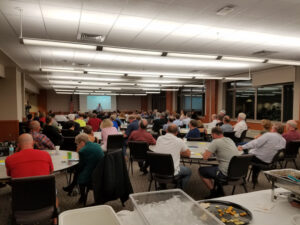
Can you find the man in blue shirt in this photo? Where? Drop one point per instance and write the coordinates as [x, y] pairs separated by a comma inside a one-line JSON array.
[[194, 131], [133, 125]]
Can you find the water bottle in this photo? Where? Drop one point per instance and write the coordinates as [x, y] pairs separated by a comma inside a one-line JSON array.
[[11, 149]]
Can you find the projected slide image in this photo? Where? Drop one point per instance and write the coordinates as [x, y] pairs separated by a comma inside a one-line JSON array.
[[93, 102]]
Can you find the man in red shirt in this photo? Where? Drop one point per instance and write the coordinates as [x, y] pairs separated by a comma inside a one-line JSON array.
[[27, 162], [142, 135], [94, 122], [292, 134]]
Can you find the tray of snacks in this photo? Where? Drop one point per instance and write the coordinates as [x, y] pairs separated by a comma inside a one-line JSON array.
[[227, 212], [285, 178]]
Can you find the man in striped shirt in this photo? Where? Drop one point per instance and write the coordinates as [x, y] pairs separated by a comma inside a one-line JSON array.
[[41, 141]]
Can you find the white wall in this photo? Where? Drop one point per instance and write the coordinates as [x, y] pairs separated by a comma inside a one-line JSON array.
[[61, 103], [128, 103], [19, 95]]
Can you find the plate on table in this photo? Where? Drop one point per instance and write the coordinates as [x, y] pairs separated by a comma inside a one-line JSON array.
[[228, 212]]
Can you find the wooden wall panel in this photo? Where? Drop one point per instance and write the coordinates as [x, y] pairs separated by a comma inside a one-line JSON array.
[[42, 101], [169, 101], [211, 99], [9, 130], [144, 103]]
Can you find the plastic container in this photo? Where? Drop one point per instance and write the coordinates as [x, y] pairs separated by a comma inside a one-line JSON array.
[[96, 215], [186, 208]]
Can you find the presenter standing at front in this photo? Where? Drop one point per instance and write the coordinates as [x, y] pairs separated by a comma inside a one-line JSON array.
[[99, 108]]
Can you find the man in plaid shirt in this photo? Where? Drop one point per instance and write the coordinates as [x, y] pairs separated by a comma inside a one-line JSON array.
[[41, 141]]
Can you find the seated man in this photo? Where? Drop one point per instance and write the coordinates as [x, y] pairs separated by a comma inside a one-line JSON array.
[[224, 149], [133, 125], [240, 126], [159, 123], [170, 144], [226, 127], [177, 121], [27, 162], [214, 121], [80, 120], [265, 148], [194, 131], [142, 135], [51, 132], [170, 121], [292, 134], [41, 141], [69, 129], [94, 122], [89, 155]]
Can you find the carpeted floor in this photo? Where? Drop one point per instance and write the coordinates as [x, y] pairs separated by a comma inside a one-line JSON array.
[[195, 189]]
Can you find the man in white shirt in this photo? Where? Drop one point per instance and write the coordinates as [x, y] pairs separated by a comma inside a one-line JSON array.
[[170, 144], [240, 126], [214, 121], [265, 148]]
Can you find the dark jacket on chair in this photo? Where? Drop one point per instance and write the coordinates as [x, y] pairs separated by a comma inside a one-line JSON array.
[[110, 179]]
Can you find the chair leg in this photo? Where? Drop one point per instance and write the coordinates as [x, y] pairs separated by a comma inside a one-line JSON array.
[[233, 189], [155, 185], [286, 162], [295, 163], [249, 175], [244, 185], [149, 188], [131, 162]]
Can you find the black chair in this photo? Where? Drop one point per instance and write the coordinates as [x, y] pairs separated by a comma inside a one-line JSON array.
[[230, 135], [138, 152], [268, 166], [115, 142], [241, 139], [33, 199], [291, 152], [236, 174], [196, 139], [68, 144], [4, 151], [162, 169]]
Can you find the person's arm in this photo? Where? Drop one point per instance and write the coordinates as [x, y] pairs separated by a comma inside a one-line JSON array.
[[186, 153], [8, 170], [46, 141], [51, 168], [207, 154], [256, 143], [151, 140]]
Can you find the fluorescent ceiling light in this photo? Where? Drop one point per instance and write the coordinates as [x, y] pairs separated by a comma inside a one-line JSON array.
[[284, 62], [243, 59], [131, 51], [105, 73], [148, 85], [151, 89], [142, 75], [139, 94], [102, 91], [159, 81], [169, 89], [110, 88], [83, 91], [64, 93], [211, 78], [49, 43], [127, 94], [122, 84], [237, 78], [194, 56], [171, 85], [62, 70], [57, 89], [193, 85], [152, 92]]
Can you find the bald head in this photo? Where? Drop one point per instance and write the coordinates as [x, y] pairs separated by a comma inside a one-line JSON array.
[[35, 125], [291, 125], [25, 141], [143, 124], [172, 128]]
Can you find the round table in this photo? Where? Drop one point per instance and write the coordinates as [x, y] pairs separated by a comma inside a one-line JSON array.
[[59, 159]]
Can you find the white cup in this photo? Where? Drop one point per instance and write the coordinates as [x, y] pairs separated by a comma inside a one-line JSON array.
[[57, 147]]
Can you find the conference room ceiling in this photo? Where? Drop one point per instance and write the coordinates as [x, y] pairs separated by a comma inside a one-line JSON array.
[[267, 27]]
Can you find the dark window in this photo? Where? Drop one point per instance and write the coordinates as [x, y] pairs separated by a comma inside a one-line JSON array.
[[229, 103], [288, 98], [245, 102], [269, 103]]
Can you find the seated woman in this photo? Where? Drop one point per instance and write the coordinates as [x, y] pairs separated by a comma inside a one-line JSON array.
[[267, 125], [89, 131], [107, 129], [194, 131], [200, 125]]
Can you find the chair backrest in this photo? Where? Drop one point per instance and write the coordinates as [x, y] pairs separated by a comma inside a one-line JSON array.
[[33, 193], [277, 157], [243, 135], [115, 141], [68, 144], [238, 166], [4, 151], [161, 164], [230, 135], [196, 139], [138, 149], [292, 149]]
